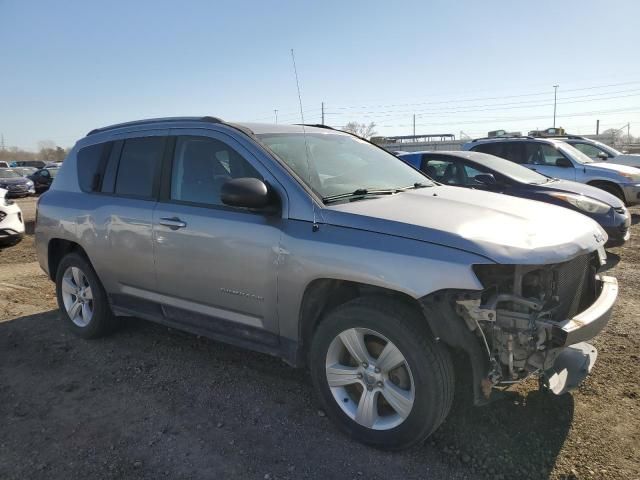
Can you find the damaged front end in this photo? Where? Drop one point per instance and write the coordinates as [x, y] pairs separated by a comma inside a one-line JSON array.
[[529, 320]]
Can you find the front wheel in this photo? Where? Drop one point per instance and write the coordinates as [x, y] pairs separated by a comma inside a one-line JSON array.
[[379, 374]]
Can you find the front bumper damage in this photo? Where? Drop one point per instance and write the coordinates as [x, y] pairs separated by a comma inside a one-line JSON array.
[[530, 320]]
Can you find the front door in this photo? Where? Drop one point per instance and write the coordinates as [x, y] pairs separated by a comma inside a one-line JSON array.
[[548, 160], [216, 266]]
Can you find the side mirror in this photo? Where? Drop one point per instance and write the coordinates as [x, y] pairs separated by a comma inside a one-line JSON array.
[[563, 162], [485, 179], [245, 192], [602, 156]]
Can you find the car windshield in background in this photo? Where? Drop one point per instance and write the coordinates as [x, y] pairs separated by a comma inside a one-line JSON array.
[[574, 153], [8, 173], [510, 169], [342, 164], [53, 171]]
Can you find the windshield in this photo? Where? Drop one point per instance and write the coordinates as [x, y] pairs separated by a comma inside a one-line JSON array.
[[341, 164], [8, 173], [510, 169], [574, 153], [53, 171]]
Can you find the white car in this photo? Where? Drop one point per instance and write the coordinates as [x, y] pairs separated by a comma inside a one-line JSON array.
[[599, 151], [11, 221]]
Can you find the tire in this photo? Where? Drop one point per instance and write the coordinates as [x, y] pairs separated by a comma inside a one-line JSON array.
[[423, 378], [96, 320], [611, 188]]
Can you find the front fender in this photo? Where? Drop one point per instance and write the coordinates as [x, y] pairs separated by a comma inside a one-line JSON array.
[[411, 267]]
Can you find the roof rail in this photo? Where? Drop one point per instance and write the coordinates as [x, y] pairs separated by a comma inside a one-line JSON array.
[[153, 121], [316, 125], [503, 136]]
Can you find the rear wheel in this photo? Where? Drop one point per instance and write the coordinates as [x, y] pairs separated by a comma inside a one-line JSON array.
[[379, 374], [81, 298]]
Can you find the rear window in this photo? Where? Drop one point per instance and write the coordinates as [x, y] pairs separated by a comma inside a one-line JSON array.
[[89, 167], [138, 165]]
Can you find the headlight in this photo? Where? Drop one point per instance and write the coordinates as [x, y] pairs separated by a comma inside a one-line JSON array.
[[632, 177], [586, 204], [29, 183]]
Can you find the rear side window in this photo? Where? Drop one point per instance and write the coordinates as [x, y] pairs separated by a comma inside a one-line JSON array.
[[89, 167], [514, 151], [138, 166]]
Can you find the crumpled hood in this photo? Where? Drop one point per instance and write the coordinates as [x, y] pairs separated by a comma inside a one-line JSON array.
[[501, 228]]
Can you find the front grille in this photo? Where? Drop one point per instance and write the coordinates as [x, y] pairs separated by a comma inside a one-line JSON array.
[[573, 282]]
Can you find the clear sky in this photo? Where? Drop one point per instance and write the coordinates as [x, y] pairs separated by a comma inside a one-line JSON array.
[[70, 66]]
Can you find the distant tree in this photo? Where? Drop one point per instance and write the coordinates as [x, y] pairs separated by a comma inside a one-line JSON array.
[[361, 129], [50, 152]]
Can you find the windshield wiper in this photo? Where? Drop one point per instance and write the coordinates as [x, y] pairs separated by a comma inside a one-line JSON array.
[[359, 193], [415, 186]]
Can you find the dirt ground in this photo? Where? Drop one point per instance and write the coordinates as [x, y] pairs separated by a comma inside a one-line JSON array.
[[150, 402]]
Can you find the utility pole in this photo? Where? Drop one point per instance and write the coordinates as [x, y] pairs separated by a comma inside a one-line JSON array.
[[628, 133], [597, 127], [322, 113], [555, 99], [275, 112], [414, 124]]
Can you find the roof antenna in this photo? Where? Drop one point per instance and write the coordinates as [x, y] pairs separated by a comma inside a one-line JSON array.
[[315, 226]]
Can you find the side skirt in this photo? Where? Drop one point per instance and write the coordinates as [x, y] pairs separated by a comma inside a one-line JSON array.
[[214, 328]]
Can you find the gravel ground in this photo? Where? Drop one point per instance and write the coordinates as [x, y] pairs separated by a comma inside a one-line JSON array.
[[150, 402]]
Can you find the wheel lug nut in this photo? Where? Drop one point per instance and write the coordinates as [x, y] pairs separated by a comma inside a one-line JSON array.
[[365, 364], [377, 370], [379, 384], [359, 375]]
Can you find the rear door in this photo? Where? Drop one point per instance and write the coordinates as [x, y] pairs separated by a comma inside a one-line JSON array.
[[117, 225], [216, 265]]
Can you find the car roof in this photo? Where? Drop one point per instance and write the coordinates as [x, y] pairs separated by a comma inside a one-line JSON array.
[[479, 141], [247, 127]]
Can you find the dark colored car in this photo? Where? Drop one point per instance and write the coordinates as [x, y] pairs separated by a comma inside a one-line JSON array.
[[30, 163], [482, 171], [43, 178], [15, 184]]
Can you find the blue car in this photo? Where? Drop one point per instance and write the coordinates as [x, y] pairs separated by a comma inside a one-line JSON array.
[[482, 171]]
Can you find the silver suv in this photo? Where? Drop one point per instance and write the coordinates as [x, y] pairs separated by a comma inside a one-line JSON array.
[[557, 159], [320, 248]]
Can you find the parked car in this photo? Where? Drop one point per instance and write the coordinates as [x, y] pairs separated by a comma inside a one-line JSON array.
[[317, 246], [30, 163], [601, 152], [15, 184], [482, 171], [4, 164], [53, 165], [558, 159], [11, 221], [43, 178], [25, 171]]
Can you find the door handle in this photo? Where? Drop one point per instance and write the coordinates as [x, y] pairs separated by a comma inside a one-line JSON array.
[[174, 223]]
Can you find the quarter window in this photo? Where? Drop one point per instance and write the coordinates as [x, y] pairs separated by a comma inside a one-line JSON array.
[[201, 166], [89, 159], [138, 165]]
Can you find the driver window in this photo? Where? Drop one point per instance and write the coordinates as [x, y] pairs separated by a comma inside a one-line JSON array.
[[201, 165], [443, 171], [543, 154], [589, 150], [470, 174]]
